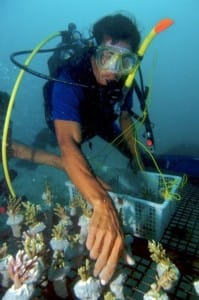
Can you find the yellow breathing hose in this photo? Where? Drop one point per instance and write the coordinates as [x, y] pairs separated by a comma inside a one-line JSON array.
[[159, 27], [9, 111]]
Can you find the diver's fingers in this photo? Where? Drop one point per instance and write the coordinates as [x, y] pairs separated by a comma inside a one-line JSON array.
[[97, 245], [112, 261], [92, 233], [128, 258], [106, 248]]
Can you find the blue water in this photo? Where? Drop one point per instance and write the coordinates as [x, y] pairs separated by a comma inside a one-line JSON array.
[[171, 61]]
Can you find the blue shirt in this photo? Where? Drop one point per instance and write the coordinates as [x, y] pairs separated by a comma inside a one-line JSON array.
[[66, 100], [92, 107]]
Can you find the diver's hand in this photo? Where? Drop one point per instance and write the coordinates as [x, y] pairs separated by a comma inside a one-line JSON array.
[[105, 240]]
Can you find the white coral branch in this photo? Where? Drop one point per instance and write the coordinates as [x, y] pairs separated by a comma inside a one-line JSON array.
[[21, 269]]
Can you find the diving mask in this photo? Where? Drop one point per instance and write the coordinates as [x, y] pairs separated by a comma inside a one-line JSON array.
[[115, 59]]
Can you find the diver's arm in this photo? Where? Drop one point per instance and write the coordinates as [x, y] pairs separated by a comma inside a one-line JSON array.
[[38, 156], [105, 240], [74, 162], [25, 152], [129, 132]]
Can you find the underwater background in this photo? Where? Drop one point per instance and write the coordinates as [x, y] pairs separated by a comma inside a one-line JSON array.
[[170, 68]]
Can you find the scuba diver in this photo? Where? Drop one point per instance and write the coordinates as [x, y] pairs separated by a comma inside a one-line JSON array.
[[93, 104]]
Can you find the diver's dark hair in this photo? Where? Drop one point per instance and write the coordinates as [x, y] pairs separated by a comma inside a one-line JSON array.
[[118, 27]]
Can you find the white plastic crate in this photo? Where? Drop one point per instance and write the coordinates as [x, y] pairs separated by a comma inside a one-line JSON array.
[[141, 199]]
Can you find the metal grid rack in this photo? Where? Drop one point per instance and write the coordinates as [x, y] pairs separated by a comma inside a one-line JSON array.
[[181, 241]]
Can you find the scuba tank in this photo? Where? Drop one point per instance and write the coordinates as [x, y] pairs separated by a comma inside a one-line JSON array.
[[72, 41]]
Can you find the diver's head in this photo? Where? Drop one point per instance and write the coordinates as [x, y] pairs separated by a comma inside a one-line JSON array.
[[71, 27], [112, 61], [117, 39], [117, 27]]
